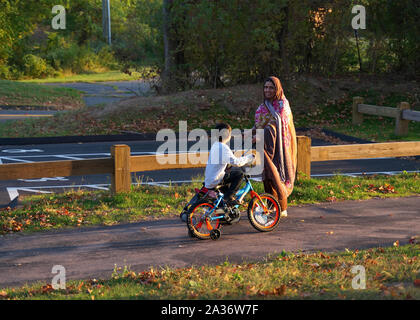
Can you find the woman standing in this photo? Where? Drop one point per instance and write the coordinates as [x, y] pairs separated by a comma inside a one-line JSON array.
[[280, 146]]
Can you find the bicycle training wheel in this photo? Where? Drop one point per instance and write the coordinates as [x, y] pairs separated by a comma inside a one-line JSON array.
[[260, 220], [199, 222]]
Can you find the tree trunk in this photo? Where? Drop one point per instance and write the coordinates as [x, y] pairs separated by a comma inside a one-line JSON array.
[[281, 38], [168, 66], [175, 74]]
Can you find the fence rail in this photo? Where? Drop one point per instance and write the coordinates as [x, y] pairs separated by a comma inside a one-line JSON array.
[[121, 164], [402, 114]]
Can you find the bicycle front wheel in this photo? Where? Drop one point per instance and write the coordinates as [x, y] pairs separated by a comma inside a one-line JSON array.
[[264, 220], [199, 222]]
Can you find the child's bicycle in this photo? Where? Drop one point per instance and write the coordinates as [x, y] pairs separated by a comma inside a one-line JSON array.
[[204, 215]]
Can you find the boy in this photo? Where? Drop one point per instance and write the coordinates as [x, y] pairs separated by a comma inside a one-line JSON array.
[[219, 158]]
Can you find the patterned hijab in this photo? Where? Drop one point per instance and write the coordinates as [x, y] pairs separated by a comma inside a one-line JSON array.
[[277, 84]]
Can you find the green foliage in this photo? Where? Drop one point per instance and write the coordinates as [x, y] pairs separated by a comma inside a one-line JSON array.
[[241, 41], [35, 66], [222, 41], [137, 32]]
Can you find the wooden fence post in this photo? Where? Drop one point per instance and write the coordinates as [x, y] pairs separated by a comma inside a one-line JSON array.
[[357, 116], [121, 176], [303, 157], [401, 125]]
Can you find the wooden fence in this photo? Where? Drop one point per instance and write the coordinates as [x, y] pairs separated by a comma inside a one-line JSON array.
[[121, 164], [402, 114]]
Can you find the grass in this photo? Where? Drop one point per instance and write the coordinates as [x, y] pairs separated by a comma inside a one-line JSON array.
[[89, 77], [82, 122], [14, 93], [203, 108], [337, 116], [84, 208], [390, 273]]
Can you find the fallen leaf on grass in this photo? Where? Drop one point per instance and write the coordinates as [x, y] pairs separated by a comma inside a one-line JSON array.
[[396, 243], [280, 291], [417, 282], [47, 288]]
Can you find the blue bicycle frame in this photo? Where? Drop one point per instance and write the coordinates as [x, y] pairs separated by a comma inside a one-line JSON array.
[[239, 197]]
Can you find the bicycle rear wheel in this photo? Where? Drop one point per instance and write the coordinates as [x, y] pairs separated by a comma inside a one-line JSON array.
[[199, 222], [261, 220]]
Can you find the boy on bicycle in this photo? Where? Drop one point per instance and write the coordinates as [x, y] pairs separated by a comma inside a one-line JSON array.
[[219, 158]]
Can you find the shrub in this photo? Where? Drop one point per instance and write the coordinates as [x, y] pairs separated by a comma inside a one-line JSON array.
[[35, 66], [4, 71]]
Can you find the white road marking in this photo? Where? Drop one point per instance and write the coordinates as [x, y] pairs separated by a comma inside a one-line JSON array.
[[68, 157], [21, 150], [354, 174], [45, 179], [76, 156], [13, 192], [16, 160]]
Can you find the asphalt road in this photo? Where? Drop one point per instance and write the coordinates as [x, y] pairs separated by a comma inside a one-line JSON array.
[[93, 252]]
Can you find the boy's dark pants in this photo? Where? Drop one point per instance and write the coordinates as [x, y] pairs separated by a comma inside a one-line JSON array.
[[231, 182]]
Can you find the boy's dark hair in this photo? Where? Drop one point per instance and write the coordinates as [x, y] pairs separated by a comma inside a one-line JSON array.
[[221, 127]]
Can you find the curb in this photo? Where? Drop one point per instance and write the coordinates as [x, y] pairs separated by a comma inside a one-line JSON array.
[[29, 108], [78, 139], [345, 137]]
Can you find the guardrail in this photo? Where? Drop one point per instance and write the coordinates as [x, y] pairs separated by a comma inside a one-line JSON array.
[[121, 164], [403, 114]]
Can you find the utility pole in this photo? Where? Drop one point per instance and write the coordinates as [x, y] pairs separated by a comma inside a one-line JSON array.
[[358, 50], [106, 20]]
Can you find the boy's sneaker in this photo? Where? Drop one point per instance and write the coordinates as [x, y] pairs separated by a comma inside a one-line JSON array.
[[232, 202], [283, 214]]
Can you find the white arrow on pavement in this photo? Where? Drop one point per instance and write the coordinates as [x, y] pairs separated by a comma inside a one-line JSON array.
[[13, 192]]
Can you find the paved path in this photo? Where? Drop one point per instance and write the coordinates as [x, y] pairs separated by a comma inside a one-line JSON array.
[[92, 252], [94, 94], [107, 92]]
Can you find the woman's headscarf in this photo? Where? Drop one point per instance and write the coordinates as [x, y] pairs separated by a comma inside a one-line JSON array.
[[277, 84]]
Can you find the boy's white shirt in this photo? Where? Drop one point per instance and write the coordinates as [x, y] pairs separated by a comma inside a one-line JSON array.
[[219, 157]]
